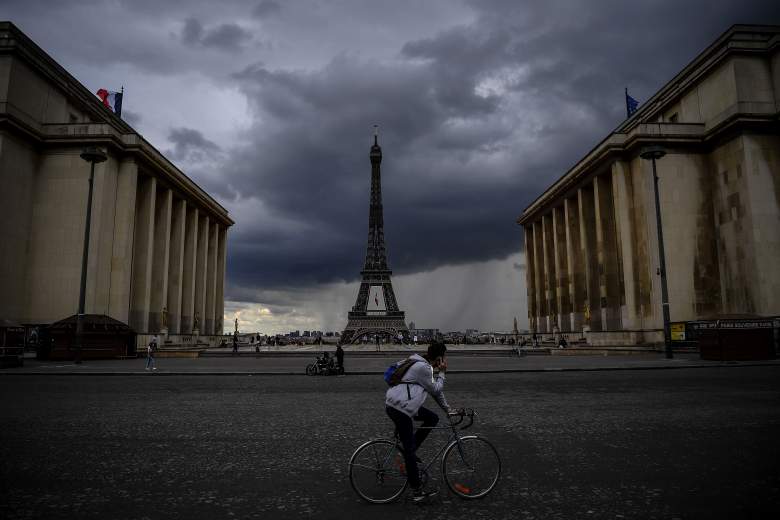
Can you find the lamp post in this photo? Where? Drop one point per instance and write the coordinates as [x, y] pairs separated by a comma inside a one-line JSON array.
[[92, 155], [652, 153]]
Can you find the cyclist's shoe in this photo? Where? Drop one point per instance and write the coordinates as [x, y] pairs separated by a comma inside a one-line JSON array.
[[421, 495]]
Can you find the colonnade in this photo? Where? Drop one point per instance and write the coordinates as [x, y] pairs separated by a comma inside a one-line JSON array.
[[178, 264], [574, 269]]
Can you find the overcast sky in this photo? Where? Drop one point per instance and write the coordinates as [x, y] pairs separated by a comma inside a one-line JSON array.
[[269, 105]]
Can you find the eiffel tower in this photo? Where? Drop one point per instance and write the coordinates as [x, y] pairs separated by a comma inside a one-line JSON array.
[[375, 311]]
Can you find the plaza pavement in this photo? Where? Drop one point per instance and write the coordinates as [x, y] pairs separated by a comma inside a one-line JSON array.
[[366, 362], [644, 444]]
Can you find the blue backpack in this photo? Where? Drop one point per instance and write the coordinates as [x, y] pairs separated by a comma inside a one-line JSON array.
[[395, 372]]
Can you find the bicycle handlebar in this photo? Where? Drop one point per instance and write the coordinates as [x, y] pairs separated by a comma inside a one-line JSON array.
[[460, 414]]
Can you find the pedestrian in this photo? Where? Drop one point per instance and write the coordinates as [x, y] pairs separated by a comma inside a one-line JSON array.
[[377, 342], [562, 342], [150, 350], [535, 340], [340, 357], [235, 344]]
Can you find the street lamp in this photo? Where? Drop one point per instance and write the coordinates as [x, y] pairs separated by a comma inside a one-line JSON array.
[[652, 153], [92, 155]]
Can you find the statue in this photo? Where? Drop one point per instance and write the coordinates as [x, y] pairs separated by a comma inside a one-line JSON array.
[[236, 325], [586, 321], [165, 317]]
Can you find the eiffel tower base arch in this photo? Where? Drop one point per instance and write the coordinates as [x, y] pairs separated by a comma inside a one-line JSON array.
[[361, 325]]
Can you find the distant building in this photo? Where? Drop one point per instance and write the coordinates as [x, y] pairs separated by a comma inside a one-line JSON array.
[[425, 334], [158, 241], [590, 239]]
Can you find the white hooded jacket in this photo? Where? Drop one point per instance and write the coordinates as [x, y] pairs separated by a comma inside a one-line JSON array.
[[415, 386]]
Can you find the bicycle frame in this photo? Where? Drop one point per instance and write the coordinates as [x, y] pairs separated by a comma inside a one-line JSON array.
[[453, 438]]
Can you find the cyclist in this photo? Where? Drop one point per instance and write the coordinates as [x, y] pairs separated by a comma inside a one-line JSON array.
[[403, 403]]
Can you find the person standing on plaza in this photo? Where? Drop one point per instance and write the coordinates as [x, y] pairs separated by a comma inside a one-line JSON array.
[[340, 357], [235, 343], [150, 350]]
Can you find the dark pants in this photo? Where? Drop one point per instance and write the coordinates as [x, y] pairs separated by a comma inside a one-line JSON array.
[[410, 439]]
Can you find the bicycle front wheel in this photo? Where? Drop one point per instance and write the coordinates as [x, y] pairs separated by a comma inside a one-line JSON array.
[[471, 467], [377, 471], [310, 370]]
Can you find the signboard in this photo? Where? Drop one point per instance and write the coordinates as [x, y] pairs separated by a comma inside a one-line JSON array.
[[734, 324], [376, 301], [677, 331]]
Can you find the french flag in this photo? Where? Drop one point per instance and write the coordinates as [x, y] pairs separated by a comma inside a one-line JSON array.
[[112, 100]]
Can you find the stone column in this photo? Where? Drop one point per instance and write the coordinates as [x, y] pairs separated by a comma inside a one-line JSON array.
[[143, 249], [221, 263], [162, 249], [189, 269], [549, 273], [588, 247], [541, 304], [577, 292], [211, 277], [176, 265], [562, 299], [101, 237], [625, 224], [201, 270], [530, 275], [122, 249], [609, 267]]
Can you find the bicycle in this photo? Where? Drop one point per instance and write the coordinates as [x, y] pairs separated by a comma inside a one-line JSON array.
[[322, 367], [470, 465]]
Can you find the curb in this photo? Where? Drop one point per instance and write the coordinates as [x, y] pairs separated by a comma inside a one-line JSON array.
[[379, 372]]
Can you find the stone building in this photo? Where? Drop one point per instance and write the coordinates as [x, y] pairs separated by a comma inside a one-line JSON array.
[[157, 240], [590, 239]]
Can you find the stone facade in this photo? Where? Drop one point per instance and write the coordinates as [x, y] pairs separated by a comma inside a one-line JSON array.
[[590, 239], [157, 240]]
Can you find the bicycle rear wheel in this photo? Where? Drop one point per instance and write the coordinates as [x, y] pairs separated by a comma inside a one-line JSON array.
[[471, 467], [377, 471]]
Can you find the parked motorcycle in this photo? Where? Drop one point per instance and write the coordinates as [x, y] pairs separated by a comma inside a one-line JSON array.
[[324, 367]]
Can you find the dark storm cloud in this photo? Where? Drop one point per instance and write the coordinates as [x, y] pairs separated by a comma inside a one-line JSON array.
[[314, 169], [474, 122], [190, 146], [225, 37], [266, 8]]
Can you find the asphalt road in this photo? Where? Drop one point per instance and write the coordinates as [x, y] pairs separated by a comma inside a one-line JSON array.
[[687, 443]]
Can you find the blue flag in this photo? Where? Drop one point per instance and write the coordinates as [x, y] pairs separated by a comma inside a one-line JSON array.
[[631, 105]]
